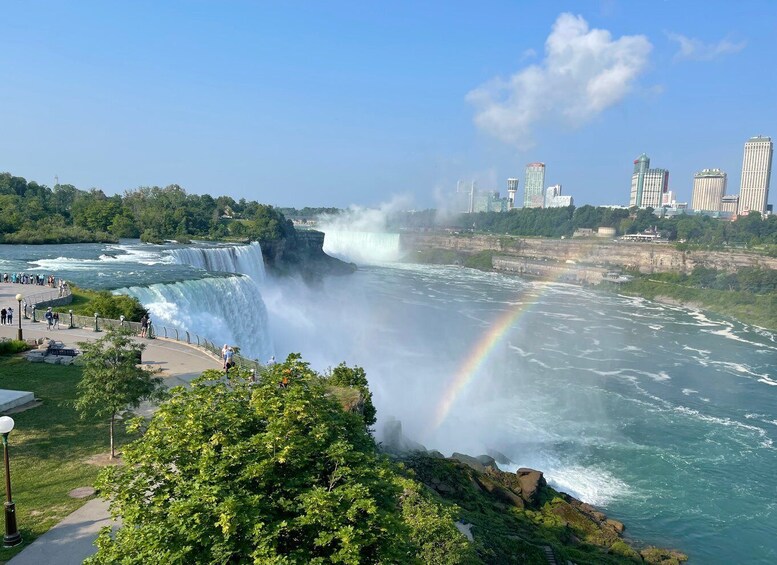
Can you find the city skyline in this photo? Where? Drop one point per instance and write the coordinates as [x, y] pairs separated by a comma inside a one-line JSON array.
[[343, 104]]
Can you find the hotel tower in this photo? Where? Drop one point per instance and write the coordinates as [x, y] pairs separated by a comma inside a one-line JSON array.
[[756, 170]]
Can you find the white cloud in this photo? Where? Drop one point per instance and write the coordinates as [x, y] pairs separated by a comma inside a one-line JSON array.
[[697, 50], [583, 73]]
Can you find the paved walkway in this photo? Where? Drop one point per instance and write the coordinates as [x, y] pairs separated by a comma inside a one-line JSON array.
[[71, 541]]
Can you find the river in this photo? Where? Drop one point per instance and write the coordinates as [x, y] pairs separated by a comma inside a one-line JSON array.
[[664, 417]]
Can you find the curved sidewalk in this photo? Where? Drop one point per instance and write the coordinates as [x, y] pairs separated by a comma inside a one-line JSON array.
[[71, 541]]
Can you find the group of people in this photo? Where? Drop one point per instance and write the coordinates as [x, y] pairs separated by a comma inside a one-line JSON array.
[[33, 278], [6, 316], [52, 319]]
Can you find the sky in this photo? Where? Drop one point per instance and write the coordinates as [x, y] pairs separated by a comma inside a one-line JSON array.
[[355, 103]]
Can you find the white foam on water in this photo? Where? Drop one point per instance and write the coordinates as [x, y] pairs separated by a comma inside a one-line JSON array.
[[689, 391]]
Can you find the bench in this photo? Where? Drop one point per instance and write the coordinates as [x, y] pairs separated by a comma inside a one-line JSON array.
[[62, 351]]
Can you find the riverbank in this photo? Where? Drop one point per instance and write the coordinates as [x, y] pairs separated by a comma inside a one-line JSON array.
[[589, 262]]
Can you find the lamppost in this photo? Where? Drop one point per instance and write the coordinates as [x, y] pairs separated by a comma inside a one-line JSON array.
[[12, 536], [19, 335]]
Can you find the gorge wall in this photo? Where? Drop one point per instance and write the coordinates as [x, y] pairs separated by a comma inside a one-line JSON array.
[[643, 257]]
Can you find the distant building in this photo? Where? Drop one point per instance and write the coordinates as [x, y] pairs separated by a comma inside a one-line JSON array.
[[647, 185], [489, 201], [512, 188], [730, 204], [554, 199], [534, 185], [756, 173], [464, 198], [709, 188]]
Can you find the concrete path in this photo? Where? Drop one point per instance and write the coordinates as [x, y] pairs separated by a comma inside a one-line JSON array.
[[71, 541]]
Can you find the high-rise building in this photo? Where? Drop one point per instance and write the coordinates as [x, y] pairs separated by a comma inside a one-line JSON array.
[[730, 204], [756, 171], [534, 185], [512, 188], [647, 185], [709, 188]]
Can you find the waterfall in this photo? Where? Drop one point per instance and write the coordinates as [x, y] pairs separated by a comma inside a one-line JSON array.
[[362, 247], [224, 310], [243, 259]]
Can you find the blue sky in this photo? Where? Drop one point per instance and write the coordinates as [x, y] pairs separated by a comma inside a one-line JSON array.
[[340, 103]]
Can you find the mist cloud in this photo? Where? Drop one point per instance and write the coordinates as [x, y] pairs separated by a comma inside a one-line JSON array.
[[584, 72]]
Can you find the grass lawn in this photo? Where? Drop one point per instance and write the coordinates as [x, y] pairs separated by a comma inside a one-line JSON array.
[[49, 446]]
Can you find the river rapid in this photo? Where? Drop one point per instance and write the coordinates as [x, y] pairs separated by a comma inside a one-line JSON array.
[[664, 417]]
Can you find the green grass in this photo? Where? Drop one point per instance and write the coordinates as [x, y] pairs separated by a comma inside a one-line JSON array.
[[49, 447]]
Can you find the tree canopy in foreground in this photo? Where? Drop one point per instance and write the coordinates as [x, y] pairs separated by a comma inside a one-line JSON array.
[[235, 472]]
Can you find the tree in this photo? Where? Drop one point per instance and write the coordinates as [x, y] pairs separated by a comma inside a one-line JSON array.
[[112, 382], [237, 472]]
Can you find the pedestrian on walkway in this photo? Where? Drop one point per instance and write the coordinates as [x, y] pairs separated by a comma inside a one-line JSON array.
[[144, 325], [49, 318], [2, 316], [9, 316]]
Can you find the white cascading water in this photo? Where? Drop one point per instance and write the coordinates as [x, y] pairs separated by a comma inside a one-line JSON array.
[[243, 259], [224, 310], [362, 247]]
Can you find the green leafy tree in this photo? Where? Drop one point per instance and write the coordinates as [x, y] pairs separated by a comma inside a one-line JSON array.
[[355, 377], [113, 382], [256, 473]]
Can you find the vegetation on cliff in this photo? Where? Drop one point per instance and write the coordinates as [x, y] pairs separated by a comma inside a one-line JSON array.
[[749, 294], [86, 302], [285, 470]]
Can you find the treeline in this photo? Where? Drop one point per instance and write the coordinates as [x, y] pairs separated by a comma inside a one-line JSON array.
[[34, 213], [751, 230]]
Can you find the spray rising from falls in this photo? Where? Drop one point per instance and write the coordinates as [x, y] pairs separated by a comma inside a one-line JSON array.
[[362, 247], [224, 310], [243, 259]]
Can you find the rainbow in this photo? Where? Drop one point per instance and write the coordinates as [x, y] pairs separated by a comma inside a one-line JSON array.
[[476, 357]]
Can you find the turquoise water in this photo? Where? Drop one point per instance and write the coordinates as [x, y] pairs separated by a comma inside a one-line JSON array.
[[664, 417]]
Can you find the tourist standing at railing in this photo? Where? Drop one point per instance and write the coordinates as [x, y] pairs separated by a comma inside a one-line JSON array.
[[144, 325]]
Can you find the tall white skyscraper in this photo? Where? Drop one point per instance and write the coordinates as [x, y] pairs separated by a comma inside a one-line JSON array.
[[709, 188], [534, 186], [756, 172], [647, 185]]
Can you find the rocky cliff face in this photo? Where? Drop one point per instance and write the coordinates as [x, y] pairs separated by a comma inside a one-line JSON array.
[[303, 254], [643, 257]]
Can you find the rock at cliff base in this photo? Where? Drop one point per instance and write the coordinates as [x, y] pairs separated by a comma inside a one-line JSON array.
[[531, 482], [469, 461]]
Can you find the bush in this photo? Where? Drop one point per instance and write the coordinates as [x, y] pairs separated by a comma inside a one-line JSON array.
[[12, 346]]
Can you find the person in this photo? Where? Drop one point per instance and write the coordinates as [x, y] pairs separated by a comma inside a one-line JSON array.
[[9, 316], [56, 320], [228, 357], [144, 325], [271, 361], [2, 316], [49, 318]]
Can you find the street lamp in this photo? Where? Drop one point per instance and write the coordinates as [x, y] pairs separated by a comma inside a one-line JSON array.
[[19, 335], [12, 536]]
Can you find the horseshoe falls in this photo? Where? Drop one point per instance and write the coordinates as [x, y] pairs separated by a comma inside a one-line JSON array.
[[362, 247]]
